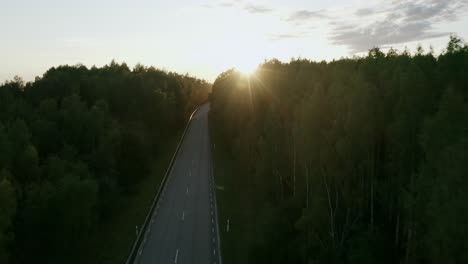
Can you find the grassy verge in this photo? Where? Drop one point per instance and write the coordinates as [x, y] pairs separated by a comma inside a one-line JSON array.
[[234, 204], [113, 241]]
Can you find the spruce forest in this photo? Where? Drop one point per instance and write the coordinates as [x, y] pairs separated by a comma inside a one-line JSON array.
[[359, 160], [74, 143]]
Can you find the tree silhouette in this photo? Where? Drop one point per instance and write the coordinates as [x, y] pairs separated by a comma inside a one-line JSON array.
[[352, 161]]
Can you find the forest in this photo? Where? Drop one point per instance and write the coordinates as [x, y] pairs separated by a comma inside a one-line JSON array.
[[72, 141], [356, 160]]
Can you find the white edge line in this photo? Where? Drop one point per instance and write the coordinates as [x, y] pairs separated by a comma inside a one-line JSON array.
[[176, 255], [220, 259], [163, 188]]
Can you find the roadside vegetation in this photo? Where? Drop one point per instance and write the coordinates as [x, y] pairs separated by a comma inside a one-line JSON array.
[[112, 241], [235, 209], [359, 160], [82, 152]]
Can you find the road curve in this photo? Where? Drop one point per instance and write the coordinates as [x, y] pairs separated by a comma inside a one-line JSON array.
[[183, 228]]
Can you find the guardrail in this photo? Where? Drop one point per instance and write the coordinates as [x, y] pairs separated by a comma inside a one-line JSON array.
[[136, 245]]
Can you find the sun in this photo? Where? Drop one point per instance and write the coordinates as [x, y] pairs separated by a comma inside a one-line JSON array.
[[247, 68]]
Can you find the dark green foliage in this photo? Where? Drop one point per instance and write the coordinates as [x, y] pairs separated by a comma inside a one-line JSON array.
[[354, 161], [7, 213], [73, 140], [134, 158]]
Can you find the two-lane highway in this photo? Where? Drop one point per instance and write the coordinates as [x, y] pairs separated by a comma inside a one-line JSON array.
[[183, 228]]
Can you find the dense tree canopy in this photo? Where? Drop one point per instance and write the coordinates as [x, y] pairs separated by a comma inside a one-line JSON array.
[[358, 160], [72, 139]]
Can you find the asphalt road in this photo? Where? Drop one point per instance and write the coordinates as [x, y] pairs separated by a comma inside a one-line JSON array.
[[183, 228]]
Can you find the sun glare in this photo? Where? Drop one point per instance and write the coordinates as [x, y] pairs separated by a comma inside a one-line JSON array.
[[247, 68]]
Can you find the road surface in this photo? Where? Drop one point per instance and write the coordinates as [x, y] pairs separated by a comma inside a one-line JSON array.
[[183, 228]]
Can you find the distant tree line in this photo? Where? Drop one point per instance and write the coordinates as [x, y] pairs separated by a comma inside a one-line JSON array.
[[359, 160], [73, 140]]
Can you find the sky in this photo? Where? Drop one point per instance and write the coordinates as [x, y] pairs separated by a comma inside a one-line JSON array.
[[204, 38]]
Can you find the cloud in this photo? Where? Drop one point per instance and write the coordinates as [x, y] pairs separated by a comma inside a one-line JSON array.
[[402, 21], [365, 11], [257, 9], [286, 36], [207, 6], [250, 8], [226, 4], [383, 33], [302, 15]]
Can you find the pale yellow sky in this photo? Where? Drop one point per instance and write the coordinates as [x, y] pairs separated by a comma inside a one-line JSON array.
[[204, 38]]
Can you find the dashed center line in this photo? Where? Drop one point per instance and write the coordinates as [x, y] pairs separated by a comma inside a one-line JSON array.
[[199, 196]]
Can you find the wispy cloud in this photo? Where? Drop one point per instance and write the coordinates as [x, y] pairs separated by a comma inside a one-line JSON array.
[[242, 5], [365, 11], [402, 21], [227, 4], [302, 15], [257, 9], [286, 36], [207, 6]]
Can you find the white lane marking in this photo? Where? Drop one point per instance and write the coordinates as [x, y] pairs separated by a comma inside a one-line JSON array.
[[212, 221], [183, 215], [186, 191], [214, 251], [176, 255], [213, 239]]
